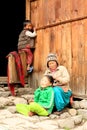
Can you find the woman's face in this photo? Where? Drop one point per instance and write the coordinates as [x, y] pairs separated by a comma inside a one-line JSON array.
[[52, 65], [45, 82]]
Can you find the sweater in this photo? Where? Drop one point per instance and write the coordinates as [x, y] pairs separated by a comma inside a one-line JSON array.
[[62, 77], [25, 38], [45, 98]]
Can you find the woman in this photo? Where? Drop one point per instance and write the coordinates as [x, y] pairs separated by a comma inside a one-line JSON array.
[[62, 91], [26, 42]]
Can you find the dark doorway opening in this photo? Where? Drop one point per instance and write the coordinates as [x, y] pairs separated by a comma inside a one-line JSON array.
[[11, 25]]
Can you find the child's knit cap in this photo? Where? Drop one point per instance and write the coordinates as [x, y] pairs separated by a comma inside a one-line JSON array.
[[52, 57]]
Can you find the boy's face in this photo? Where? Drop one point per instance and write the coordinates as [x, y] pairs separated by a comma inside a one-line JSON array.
[[29, 26], [45, 82], [52, 65]]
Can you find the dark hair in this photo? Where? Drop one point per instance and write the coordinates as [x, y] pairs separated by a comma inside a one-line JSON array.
[[27, 22], [50, 78]]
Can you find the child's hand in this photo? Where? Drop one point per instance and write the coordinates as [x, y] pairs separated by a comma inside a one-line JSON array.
[[30, 100], [34, 29]]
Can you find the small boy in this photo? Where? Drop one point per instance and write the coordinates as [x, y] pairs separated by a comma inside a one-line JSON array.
[[43, 100], [26, 42]]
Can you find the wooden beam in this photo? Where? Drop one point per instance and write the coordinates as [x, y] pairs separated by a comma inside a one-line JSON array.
[[27, 8], [62, 22]]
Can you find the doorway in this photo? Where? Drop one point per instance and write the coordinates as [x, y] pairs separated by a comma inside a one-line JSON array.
[[11, 26]]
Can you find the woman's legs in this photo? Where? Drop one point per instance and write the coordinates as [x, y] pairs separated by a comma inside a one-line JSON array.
[[61, 98]]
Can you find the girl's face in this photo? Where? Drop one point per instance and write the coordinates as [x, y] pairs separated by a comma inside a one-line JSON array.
[[45, 82], [52, 65]]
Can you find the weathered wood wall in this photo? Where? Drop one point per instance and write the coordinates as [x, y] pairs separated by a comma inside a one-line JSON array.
[[61, 28]]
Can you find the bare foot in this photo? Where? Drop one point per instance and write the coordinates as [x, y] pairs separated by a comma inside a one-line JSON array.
[[31, 113], [71, 100]]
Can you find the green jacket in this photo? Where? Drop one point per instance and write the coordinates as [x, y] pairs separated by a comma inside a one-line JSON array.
[[45, 97]]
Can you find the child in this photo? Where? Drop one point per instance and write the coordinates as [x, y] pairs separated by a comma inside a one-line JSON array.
[[43, 100], [26, 42], [62, 91]]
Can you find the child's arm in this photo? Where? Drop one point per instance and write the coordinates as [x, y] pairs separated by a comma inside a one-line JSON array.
[[31, 34], [30, 100], [37, 94]]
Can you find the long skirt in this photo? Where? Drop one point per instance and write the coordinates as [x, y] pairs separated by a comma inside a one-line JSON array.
[[61, 98]]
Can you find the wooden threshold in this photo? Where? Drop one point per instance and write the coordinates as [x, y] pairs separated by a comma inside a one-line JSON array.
[[4, 80]]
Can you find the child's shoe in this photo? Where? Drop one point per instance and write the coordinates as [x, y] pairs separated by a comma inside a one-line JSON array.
[[30, 69]]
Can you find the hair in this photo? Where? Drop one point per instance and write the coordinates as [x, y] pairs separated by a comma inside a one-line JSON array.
[[27, 22], [50, 78]]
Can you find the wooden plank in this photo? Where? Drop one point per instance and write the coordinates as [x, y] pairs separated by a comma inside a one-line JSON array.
[[37, 13], [38, 52], [86, 85], [4, 80], [58, 45], [85, 9], [85, 40], [81, 41], [74, 48], [78, 85], [64, 45], [50, 13], [68, 47], [65, 11], [46, 46], [27, 5], [24, 62], [34, 12], [12, 73]]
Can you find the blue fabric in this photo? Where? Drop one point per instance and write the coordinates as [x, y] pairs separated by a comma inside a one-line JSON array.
[[61, 98]]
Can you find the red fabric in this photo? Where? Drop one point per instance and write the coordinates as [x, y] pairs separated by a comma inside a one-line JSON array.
[[29, 54], [19, 71]]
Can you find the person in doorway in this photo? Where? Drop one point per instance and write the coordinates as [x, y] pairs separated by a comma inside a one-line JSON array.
[[43, 102], [26, 42], [62, 91]]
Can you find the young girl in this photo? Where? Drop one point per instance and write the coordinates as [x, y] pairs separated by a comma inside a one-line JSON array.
[[43, 100], [62, 91]]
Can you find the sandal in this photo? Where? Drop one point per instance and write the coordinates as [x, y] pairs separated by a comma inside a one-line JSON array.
[[30, 69]]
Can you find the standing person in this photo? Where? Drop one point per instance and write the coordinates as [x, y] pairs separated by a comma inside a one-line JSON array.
[[26, 42], [43, 100], [62, 91]]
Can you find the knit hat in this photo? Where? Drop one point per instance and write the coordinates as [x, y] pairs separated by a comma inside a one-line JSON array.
[[52, 57]]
